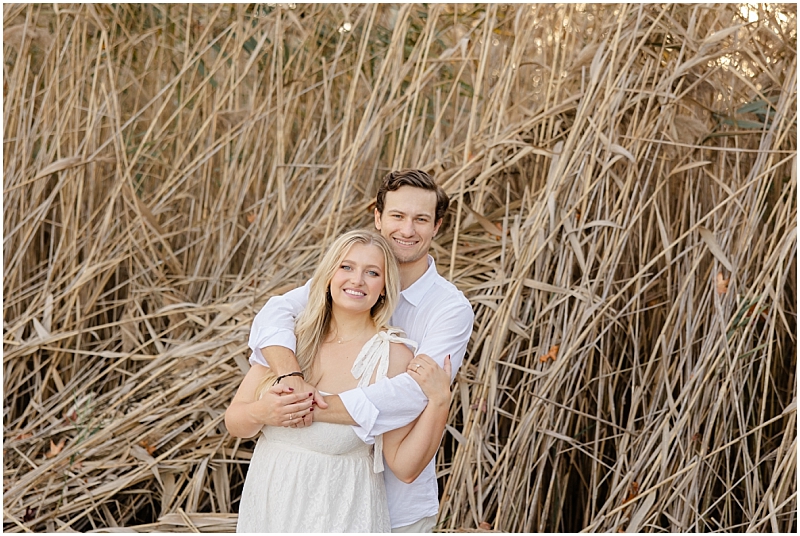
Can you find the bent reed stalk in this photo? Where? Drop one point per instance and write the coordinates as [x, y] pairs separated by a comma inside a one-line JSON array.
[[624, 193]]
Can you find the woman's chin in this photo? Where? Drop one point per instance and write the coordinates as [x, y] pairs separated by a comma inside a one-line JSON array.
[[354, 306]]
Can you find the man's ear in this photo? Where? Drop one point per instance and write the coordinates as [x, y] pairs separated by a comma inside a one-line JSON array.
[[377, 220], [436, 227]]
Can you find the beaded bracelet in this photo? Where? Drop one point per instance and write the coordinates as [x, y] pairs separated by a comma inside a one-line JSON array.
[[298, 373]]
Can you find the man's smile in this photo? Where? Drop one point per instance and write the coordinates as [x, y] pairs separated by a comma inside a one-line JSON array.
[[404, 242]]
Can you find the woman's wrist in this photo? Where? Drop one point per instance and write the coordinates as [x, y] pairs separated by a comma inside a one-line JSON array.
[[253, 420], [440, 400]]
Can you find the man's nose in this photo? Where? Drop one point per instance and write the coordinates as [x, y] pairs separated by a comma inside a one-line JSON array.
[[407, 227]]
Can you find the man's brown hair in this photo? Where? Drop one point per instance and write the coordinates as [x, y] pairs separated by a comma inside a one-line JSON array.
[[417, 178]]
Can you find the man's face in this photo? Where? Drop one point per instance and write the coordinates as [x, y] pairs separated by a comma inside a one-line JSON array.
[[408, 223]]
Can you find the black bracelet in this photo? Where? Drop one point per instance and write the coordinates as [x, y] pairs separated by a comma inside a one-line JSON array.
[[298, 373]]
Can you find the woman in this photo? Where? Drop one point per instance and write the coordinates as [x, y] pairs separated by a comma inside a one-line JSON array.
[[323, 478]]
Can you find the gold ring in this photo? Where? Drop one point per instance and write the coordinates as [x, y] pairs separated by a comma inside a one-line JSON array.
[[291, 416], [418, 367]]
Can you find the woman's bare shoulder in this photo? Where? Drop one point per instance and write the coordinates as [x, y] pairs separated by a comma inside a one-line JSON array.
[[399, 358]]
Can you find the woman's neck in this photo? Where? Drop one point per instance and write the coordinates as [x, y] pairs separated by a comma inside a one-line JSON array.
[[347, 325]]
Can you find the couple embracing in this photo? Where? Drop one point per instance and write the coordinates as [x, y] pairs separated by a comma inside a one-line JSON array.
[[366, 350]]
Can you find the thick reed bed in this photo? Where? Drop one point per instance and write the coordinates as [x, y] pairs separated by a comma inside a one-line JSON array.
[[624, 222]]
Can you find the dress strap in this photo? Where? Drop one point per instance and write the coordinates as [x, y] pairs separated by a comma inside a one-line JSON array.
[[374, 356]]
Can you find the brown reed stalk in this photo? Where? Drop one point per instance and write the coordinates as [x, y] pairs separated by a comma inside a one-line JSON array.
[[625, 203]]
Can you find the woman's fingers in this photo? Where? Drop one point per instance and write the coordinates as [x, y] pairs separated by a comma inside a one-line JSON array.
[[432, 379], [277, 405], [423, 364], [296, 418], [303, 407], [279, 389]]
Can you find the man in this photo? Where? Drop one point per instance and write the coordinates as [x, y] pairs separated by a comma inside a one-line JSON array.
[[432, 311]]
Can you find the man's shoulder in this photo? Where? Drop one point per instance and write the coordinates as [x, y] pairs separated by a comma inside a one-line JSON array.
[[446, 293]]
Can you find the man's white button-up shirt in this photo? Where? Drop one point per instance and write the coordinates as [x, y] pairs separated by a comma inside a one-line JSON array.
[[432, 312]]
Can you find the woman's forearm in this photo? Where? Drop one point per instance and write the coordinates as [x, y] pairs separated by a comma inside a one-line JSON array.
[[407, 456], [240, 422]]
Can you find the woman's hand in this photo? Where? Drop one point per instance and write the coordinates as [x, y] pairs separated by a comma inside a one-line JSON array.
[[432, 379], [280, 405]]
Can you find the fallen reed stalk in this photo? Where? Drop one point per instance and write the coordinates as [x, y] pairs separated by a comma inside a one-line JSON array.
[[624, 223]]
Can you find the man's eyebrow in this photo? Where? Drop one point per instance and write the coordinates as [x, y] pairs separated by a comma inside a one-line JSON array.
[[398, 211]]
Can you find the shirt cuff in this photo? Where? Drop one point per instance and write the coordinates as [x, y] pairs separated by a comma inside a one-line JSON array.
[[362, 411], [278, 337], [273, 337], [257, 358]]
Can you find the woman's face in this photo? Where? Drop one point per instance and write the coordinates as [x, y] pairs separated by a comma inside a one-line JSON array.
[[359, 279]]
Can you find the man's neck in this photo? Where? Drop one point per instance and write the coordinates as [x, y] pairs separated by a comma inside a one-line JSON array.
[[410, 272]]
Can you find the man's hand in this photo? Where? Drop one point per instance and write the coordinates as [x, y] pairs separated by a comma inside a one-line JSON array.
[[281, 405], [432, 379], [298, 385]]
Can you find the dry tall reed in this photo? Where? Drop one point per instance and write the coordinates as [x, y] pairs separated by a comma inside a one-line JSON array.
[[624, 223]]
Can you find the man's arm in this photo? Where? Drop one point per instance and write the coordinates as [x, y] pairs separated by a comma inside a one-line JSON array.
[[395, 402], [335, 413], [273, 342], [274, 326]]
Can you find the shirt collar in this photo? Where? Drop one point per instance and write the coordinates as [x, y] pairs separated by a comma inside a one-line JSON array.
[[419, 288]]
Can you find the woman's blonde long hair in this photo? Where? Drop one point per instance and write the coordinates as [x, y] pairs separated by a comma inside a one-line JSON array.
[[313, 324]]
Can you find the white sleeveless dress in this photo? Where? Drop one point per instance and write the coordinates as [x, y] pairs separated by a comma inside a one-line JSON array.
[[321, 478]]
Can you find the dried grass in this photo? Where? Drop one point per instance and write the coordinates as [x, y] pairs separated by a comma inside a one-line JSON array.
[[168, 168]]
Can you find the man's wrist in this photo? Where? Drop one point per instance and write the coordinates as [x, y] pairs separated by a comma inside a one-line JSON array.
[[336, 413], [280, 359], [296, 373]]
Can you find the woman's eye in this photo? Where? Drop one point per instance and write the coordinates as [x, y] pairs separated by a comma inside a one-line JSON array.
[[373, 273], [345, 267]]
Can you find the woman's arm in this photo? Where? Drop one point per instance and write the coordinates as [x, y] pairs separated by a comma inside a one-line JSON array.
[[408, 450], [246, 415]]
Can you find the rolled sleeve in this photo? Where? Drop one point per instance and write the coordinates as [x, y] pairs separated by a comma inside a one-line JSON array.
[[384, 406], [270, 337], [274, 323], [362, 411]]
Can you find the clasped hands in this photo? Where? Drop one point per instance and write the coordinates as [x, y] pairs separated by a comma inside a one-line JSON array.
[[291, 403]]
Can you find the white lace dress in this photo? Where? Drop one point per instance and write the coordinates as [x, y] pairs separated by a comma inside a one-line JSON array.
[[321, 478]]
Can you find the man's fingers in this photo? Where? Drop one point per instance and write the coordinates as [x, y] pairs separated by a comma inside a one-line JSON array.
[[320, 400]]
